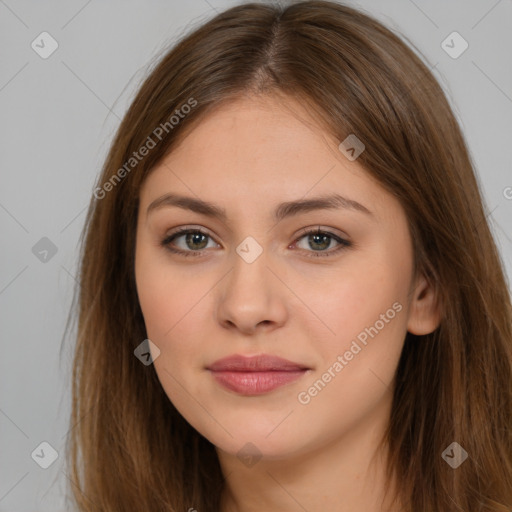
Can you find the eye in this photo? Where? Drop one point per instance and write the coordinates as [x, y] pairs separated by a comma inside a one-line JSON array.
[[195, 241], [318, 239], [192, 238]]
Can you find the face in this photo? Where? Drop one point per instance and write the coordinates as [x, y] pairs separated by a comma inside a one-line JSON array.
[[337, 302]]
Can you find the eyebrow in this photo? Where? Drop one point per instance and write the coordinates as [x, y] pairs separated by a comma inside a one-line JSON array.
[[283, 210]]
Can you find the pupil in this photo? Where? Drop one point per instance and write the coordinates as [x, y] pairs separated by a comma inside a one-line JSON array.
[[315, 237], [191, 238]]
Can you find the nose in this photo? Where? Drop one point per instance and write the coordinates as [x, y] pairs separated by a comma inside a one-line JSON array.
[[252, 297]]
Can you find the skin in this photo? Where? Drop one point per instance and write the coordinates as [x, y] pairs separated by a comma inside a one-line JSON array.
[[247, 157]]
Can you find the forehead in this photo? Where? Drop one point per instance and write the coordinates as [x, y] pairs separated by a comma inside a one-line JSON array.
[[251, 127], [257, 150]]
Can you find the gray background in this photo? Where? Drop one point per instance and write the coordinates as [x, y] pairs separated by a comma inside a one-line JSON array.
[[58, 117]]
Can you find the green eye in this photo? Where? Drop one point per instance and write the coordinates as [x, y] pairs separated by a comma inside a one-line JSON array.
[[196, 241]]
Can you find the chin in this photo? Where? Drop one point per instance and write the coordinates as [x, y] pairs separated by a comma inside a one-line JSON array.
[[253, 443]]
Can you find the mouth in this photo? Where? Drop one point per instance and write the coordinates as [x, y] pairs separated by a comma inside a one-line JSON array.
[[255, 375]]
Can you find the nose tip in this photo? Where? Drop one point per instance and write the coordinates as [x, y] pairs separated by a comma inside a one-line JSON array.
[[250, 299]]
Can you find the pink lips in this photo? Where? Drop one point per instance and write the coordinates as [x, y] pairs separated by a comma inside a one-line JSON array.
[[255, 375]]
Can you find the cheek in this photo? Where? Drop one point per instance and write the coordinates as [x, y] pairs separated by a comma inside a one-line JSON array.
[[163, 295], [167, 300], [358, 298], [174, 308], [367, 313]]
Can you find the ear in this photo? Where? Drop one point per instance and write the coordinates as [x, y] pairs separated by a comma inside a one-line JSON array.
[[424, 310]]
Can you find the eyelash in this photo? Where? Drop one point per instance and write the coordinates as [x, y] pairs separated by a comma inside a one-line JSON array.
[[343, 244]]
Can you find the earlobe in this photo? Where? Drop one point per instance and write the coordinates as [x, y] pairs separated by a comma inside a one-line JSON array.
[[424, 310]]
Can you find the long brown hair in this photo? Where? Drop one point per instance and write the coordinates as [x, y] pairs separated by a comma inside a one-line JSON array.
[[129, 448]]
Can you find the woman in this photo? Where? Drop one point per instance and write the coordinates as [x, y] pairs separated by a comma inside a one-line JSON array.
[[341, 338]]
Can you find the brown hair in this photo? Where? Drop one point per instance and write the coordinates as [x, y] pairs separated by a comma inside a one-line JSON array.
[[129, 448]]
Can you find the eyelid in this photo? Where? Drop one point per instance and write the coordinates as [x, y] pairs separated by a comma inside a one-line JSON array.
[[183, 230], [300, 233], [322, 229], [342, 240]]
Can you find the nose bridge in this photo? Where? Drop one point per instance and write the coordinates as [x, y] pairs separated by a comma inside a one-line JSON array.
[[250, 294], [250, 260]]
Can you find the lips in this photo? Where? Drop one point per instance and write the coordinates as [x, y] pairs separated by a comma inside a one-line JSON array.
[[259, 363], [255, 375]]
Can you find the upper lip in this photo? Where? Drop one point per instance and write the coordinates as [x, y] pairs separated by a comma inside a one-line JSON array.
[[259, 363]]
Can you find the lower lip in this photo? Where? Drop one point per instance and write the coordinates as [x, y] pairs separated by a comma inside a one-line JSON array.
[[256, 383]]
